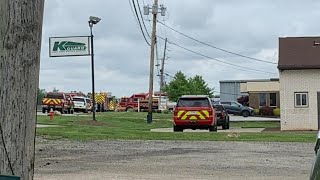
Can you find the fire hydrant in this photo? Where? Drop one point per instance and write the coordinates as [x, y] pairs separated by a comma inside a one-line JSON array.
[[51, 114]]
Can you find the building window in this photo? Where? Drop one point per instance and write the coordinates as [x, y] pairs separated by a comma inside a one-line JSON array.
[[273, 99], [301, 99], [262, 99]]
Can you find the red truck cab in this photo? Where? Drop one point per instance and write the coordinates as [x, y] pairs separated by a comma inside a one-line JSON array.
[[194, 112]]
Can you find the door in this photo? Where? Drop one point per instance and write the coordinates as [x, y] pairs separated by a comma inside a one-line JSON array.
[[318, 102]]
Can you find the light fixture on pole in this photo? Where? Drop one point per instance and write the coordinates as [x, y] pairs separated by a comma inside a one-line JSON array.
[[93, 20]]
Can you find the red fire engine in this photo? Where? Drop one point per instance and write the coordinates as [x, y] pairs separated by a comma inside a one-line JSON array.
[[136, 102]]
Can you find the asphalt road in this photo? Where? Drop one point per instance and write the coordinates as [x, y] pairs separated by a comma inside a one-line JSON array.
[[67, 160]]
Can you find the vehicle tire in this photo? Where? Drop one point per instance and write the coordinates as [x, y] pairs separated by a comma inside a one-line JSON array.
[[245, 113], [43, 110], [226, 125], [213, 128], [177, 129], [129, 109]]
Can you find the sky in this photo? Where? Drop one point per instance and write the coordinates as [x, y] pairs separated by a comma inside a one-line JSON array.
[[247, 27]]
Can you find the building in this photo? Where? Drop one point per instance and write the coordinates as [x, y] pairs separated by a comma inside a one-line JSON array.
[[299, 69], [263, 92], [230, 90]]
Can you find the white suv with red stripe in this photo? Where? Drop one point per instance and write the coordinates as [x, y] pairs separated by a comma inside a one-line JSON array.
[[194, 112]]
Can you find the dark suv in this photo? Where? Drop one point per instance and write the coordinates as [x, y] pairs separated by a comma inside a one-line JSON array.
[[222, 116], [233, 107]]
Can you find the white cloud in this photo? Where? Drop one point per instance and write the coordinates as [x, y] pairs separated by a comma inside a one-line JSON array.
[[247, 27]]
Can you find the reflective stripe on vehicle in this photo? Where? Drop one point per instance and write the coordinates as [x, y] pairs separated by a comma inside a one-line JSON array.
[[51, 101], [193, 115]]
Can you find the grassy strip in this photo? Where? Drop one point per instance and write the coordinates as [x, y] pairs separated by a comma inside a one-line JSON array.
[[133, 126]]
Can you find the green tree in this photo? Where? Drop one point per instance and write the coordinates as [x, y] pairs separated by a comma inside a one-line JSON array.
[[40, 95], [177, 87], [199, 87], [55, 90], [180, 85]]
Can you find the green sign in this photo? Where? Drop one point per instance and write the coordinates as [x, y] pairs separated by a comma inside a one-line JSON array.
[[69, 46]]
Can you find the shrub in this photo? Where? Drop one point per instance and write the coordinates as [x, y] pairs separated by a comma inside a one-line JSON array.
[[165, 111], [266, 110], [276, 112], [256, 111]]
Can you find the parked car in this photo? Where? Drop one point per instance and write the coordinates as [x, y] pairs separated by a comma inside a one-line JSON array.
[[315, 172], [194, 112], [233, 107], [222, 116], [82, 104]]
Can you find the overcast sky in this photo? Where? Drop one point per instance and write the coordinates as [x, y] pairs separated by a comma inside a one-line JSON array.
[[247, 27]]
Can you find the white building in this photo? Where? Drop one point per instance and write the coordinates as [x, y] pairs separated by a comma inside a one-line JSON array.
[[299, 68]]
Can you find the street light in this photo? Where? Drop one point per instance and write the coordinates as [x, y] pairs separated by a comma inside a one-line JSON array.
[[93, 20]]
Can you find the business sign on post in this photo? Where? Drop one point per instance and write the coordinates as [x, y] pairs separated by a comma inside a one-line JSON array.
[[69, 46]]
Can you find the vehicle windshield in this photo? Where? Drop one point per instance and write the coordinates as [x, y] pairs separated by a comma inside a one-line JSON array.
[[55, 96], [78, 99], [193, 102]]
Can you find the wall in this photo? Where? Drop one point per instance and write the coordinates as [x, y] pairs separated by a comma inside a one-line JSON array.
[[229, 91], [254, 101], [299, 81]]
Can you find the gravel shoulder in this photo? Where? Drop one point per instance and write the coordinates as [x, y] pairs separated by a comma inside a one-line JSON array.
[[67, 160]]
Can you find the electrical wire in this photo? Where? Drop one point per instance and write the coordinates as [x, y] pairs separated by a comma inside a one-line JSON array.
[[137, 16], [145, 28], [215, 47], [5, 149], [215, 59]]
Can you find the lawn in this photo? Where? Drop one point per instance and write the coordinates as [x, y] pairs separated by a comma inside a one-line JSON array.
[[133, 126]]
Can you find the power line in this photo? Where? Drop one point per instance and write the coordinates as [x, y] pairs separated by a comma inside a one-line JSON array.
[[238, 66], [142, 19], [230, 52], [137, 16]]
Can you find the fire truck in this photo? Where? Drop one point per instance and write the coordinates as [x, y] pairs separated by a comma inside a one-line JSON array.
[[136, 102], [57, 101], [105, 102]]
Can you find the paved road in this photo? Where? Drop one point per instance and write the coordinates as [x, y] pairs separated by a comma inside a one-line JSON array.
[[251, 118], [236, 130], [65, 160]]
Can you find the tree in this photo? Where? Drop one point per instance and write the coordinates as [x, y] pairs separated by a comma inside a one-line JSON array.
[[20, 44], [40, 95], [55, 90], [199, 87], [180, 85]]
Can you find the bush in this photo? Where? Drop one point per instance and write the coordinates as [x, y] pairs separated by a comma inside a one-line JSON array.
[[266, 111], [256, 111], [166, 111], [276, 112]]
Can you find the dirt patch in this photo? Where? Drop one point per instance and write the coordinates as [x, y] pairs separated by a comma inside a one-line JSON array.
[[92, 123], [64, 160]]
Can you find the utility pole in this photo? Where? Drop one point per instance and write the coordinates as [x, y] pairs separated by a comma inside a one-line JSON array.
[[20, 47], [154, 11], [162, 71]]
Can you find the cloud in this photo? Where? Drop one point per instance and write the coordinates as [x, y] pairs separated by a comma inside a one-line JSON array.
[[248, 27]]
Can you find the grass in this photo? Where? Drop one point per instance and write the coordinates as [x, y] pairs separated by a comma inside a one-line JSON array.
[[133, 126]]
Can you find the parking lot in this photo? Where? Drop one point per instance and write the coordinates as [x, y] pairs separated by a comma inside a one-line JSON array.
[[172, 160]]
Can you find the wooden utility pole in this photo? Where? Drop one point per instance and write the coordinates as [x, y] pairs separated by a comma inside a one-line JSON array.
[[20, 44], [162, 71], [153, 41]]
